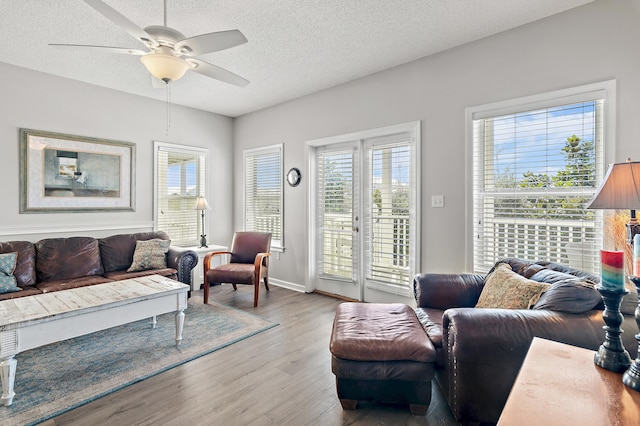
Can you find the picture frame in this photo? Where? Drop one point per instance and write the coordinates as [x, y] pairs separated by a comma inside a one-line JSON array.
[[69, 173]]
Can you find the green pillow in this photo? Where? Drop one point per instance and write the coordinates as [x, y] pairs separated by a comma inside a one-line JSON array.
[[8, 282], [506, 289], [150, 254]]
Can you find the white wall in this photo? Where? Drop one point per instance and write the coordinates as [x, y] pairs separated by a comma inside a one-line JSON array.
[[34, 100], [596, 42]]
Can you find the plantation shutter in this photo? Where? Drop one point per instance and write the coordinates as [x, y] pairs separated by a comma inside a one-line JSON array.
[[180, 179], [263, 191], [533, 171], [336, 176], [388, 210]]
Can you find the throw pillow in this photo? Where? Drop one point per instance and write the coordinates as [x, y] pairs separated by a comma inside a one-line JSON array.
[[8, 282], [570, 295], [506, 289], [629, 301], [150, 254]]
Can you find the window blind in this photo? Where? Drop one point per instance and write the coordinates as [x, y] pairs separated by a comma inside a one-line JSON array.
[[180, 179], [336, 173], [263, 192], [533, 172], [387, 210]]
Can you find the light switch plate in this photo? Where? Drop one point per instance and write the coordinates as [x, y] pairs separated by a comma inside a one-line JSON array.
[[437, 201]]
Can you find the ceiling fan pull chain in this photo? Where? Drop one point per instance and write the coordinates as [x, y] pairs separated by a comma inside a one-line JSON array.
[[168, 107]]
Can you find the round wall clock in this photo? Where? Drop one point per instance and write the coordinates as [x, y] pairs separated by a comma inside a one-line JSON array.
[[293, 176]]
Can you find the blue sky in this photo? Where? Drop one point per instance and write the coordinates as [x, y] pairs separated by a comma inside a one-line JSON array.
[[268, 171], [524, 138], [173, 175]]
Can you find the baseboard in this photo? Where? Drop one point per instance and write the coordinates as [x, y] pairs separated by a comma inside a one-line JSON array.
[[285, 284]]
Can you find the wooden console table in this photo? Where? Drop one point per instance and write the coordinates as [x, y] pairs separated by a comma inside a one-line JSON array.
[[559, 384], [33, 321]]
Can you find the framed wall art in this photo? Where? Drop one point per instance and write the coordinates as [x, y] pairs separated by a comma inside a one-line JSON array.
[[67, 173]]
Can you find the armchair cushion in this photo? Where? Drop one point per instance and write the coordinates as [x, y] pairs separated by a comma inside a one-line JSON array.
[[150, 254], [239, 273], [431, 320], [508, 290]]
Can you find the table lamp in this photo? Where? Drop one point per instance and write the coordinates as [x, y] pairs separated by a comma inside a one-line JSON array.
[[202, 205], [620, 190]]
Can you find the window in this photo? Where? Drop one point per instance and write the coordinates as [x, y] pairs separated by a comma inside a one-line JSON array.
[[263, 178], [536, 162], [180, 178]]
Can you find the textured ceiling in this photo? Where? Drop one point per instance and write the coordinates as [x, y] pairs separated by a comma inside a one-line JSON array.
[[295, 47]]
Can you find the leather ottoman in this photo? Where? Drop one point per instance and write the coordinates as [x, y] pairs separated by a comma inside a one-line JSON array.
[[380, 352]]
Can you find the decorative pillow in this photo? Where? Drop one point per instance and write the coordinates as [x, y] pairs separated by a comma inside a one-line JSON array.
[[150, 254], [569, 295], [8, 282], [629, 301], [506, 289]]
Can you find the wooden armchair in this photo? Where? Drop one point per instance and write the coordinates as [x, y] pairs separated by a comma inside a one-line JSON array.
[[248, 264]]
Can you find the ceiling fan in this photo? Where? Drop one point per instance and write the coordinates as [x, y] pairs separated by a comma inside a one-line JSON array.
[[170, 54]]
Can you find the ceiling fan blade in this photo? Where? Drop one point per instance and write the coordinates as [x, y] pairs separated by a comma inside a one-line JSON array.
[[216, 72], [210, 42], [122, 21], [124, 50]]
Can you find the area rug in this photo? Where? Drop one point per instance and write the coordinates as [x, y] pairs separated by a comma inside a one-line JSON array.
[[59, 377]]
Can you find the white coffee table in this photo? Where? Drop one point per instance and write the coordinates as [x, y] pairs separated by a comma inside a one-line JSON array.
[[33, 321]]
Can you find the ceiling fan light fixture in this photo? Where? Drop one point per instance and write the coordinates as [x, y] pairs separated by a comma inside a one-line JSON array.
[[165, 67]]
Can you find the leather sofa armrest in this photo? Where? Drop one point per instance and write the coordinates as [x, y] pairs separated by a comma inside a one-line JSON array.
[[183, 260], [444, 291], [485, 349]]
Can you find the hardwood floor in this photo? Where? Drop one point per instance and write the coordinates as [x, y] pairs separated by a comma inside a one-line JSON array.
[[279, 377]]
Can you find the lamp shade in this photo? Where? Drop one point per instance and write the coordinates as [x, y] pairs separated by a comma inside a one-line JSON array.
[[165, 66], [202, 204], [620, 189]]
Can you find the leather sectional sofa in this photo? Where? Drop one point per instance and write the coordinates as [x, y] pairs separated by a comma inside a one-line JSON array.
[[479, 351], [55, 264]]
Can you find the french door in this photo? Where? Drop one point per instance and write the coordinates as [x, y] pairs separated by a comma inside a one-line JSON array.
[[337, 219], [363, 209]]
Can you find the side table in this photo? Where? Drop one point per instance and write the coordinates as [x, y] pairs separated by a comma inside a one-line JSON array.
[[197, 278], [559, 384]]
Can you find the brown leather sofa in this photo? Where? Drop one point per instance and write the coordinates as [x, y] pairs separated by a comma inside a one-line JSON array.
[[480, 351], [55, 264]]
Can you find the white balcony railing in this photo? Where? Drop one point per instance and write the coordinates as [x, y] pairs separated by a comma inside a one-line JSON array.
[[387, 247], [563, 241]]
